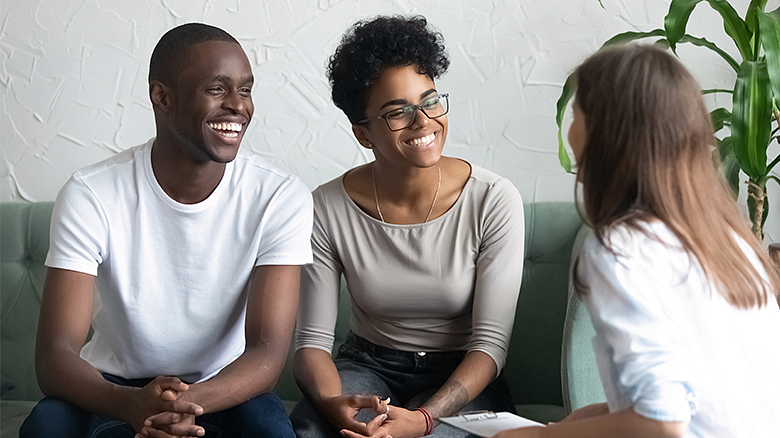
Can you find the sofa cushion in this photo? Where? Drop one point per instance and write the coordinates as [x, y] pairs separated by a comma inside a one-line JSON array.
[[6, 384], [12, 416]]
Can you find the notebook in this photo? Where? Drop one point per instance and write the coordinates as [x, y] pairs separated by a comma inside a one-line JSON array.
[[486, 423]]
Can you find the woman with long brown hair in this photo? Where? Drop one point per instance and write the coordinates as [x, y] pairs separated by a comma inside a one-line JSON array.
[[682, 296]]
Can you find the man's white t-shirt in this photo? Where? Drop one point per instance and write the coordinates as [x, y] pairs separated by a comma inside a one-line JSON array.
[[172, 278]]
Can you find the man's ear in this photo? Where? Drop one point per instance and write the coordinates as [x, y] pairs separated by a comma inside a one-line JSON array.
[[363, 136], [160, 95]]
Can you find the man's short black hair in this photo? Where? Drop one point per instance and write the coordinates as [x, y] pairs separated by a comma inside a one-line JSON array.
[[371, 46], [171, 52]]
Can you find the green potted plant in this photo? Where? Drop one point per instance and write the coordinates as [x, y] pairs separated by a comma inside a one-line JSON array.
[[753, 119]]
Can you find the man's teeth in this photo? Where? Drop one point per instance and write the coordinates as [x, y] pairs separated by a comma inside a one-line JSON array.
[[422, 140], [235, 127]]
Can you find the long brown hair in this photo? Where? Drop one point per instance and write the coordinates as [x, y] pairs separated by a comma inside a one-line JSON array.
[[648, 155]]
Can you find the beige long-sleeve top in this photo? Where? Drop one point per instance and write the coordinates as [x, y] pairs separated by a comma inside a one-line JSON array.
[[449, 284]]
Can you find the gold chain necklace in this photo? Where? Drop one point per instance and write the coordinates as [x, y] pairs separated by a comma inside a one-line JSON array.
[[376, 197]]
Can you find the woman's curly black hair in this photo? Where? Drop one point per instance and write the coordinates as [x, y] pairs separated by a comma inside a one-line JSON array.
[[371, 46]]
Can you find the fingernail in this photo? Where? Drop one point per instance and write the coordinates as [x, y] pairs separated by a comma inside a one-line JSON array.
[[383, 417], [148, 423]]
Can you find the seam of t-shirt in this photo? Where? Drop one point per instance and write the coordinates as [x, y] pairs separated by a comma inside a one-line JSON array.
[[146, 167]]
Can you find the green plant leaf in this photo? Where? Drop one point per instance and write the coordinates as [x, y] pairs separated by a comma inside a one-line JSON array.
[[566, 94], [680, 11], [662, 43], [569, 87], [728, 165], [716, 90], [736, 28], [702, 42], [626, 37], [750, 16], [725, 148], [771, 165], [766, 210], [677, 19], [720, 118], [751, 122], [770, 40]]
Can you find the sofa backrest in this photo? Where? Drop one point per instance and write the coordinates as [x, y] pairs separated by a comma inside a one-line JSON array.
[[24, 241], [533, 367]]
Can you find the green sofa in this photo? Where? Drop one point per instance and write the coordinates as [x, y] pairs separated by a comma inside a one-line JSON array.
[[550, 368]]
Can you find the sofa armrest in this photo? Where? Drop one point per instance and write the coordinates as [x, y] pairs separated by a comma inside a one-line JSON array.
[[580, 379]]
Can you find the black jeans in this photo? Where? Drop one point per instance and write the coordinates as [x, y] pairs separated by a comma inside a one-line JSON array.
[[408, 378]]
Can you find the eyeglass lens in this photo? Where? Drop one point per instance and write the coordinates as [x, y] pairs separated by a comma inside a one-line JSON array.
[[433, 107]]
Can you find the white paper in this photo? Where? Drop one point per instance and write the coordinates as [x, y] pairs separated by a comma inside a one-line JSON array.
[[488, 424]]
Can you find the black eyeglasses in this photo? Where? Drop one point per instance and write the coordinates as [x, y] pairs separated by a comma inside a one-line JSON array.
[[401, 118]]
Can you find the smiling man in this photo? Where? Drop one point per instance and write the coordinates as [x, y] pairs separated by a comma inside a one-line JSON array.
[[184, 258]]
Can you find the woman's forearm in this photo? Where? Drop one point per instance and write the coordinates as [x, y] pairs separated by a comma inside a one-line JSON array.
[[316, 374], [619, 424], [625, 423], [469, 379]]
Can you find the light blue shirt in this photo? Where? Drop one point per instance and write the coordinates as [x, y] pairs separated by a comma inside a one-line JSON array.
[[670, 346]]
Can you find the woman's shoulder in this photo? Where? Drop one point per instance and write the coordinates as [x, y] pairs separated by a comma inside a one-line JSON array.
[[334, 200], [625, 237], [484, 176], [486, 182], [491, 204], [331, 189], [641, 246], [329, 196]]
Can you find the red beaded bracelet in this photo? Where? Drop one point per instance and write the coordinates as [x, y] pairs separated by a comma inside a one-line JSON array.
[[428, 420]]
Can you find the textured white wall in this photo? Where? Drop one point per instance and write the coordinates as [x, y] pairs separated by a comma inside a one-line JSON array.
[[73, 80]]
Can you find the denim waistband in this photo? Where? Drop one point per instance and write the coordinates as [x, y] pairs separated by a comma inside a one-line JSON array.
[[138, 383], [361, 344]]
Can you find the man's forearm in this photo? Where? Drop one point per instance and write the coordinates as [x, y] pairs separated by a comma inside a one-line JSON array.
[[270, 317], [68, 377], [255, 372], [63, 327]]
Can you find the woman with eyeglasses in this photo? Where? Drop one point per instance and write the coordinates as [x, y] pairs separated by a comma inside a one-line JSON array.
[[431, 248]]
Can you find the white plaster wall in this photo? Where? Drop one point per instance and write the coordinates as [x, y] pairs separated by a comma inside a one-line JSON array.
[[74, 90]]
